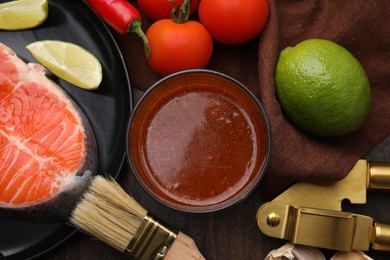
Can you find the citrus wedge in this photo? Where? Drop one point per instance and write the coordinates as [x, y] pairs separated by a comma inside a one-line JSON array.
[[69, 62], [23, 14]]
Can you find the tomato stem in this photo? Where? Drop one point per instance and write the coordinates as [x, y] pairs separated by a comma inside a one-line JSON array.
[[181, 13], [135, 27]]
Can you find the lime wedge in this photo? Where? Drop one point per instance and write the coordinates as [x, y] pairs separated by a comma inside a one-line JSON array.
[[69, 62], [23, 14]]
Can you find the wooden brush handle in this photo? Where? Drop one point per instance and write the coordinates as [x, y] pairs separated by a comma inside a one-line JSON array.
[[184, 247]]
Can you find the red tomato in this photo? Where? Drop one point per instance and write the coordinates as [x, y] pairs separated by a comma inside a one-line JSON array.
[[161, 9], [233, 21], [178, 46]]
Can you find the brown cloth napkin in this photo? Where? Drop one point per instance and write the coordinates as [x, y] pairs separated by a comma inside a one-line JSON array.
[[362, 27]]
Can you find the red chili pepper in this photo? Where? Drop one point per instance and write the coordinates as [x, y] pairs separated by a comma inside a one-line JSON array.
[[120, 15]]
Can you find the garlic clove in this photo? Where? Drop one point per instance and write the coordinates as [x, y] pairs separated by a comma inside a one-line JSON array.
[[291, 251], [353, 255], [284, 252]]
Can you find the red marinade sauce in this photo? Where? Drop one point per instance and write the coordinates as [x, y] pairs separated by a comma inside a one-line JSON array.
[[200, 145]]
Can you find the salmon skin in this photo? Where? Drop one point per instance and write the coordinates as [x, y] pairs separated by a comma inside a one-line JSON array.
[[48, 151]]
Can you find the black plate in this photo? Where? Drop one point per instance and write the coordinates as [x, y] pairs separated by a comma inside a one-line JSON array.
[[107, 108]]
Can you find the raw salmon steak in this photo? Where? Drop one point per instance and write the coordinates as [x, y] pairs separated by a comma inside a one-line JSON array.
[[48, 150]]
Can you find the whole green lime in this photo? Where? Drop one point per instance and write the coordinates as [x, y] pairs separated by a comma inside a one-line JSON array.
[[322, 88]]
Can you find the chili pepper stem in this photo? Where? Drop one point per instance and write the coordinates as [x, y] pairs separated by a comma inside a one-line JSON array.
[[135, 27]]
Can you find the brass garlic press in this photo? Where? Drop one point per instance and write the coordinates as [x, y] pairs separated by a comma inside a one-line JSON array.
[[311, 213]]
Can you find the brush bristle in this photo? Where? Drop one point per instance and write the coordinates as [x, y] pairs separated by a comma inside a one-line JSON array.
[[108, 213]]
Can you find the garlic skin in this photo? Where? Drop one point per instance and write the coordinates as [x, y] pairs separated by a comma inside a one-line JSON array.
[[354, 255], [291, 251]]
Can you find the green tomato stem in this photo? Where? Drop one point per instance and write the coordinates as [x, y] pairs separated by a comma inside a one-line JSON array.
[[181, 14]]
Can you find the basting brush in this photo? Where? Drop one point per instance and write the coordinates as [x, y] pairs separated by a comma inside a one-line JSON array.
[[108, 213]]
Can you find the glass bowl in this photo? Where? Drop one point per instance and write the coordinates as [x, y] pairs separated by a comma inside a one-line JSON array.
[[198, 141]]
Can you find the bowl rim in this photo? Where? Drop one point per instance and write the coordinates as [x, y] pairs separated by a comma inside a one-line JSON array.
[[209, 208]]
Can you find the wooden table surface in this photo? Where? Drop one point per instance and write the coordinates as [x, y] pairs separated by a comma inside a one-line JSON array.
[[229, 234]]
